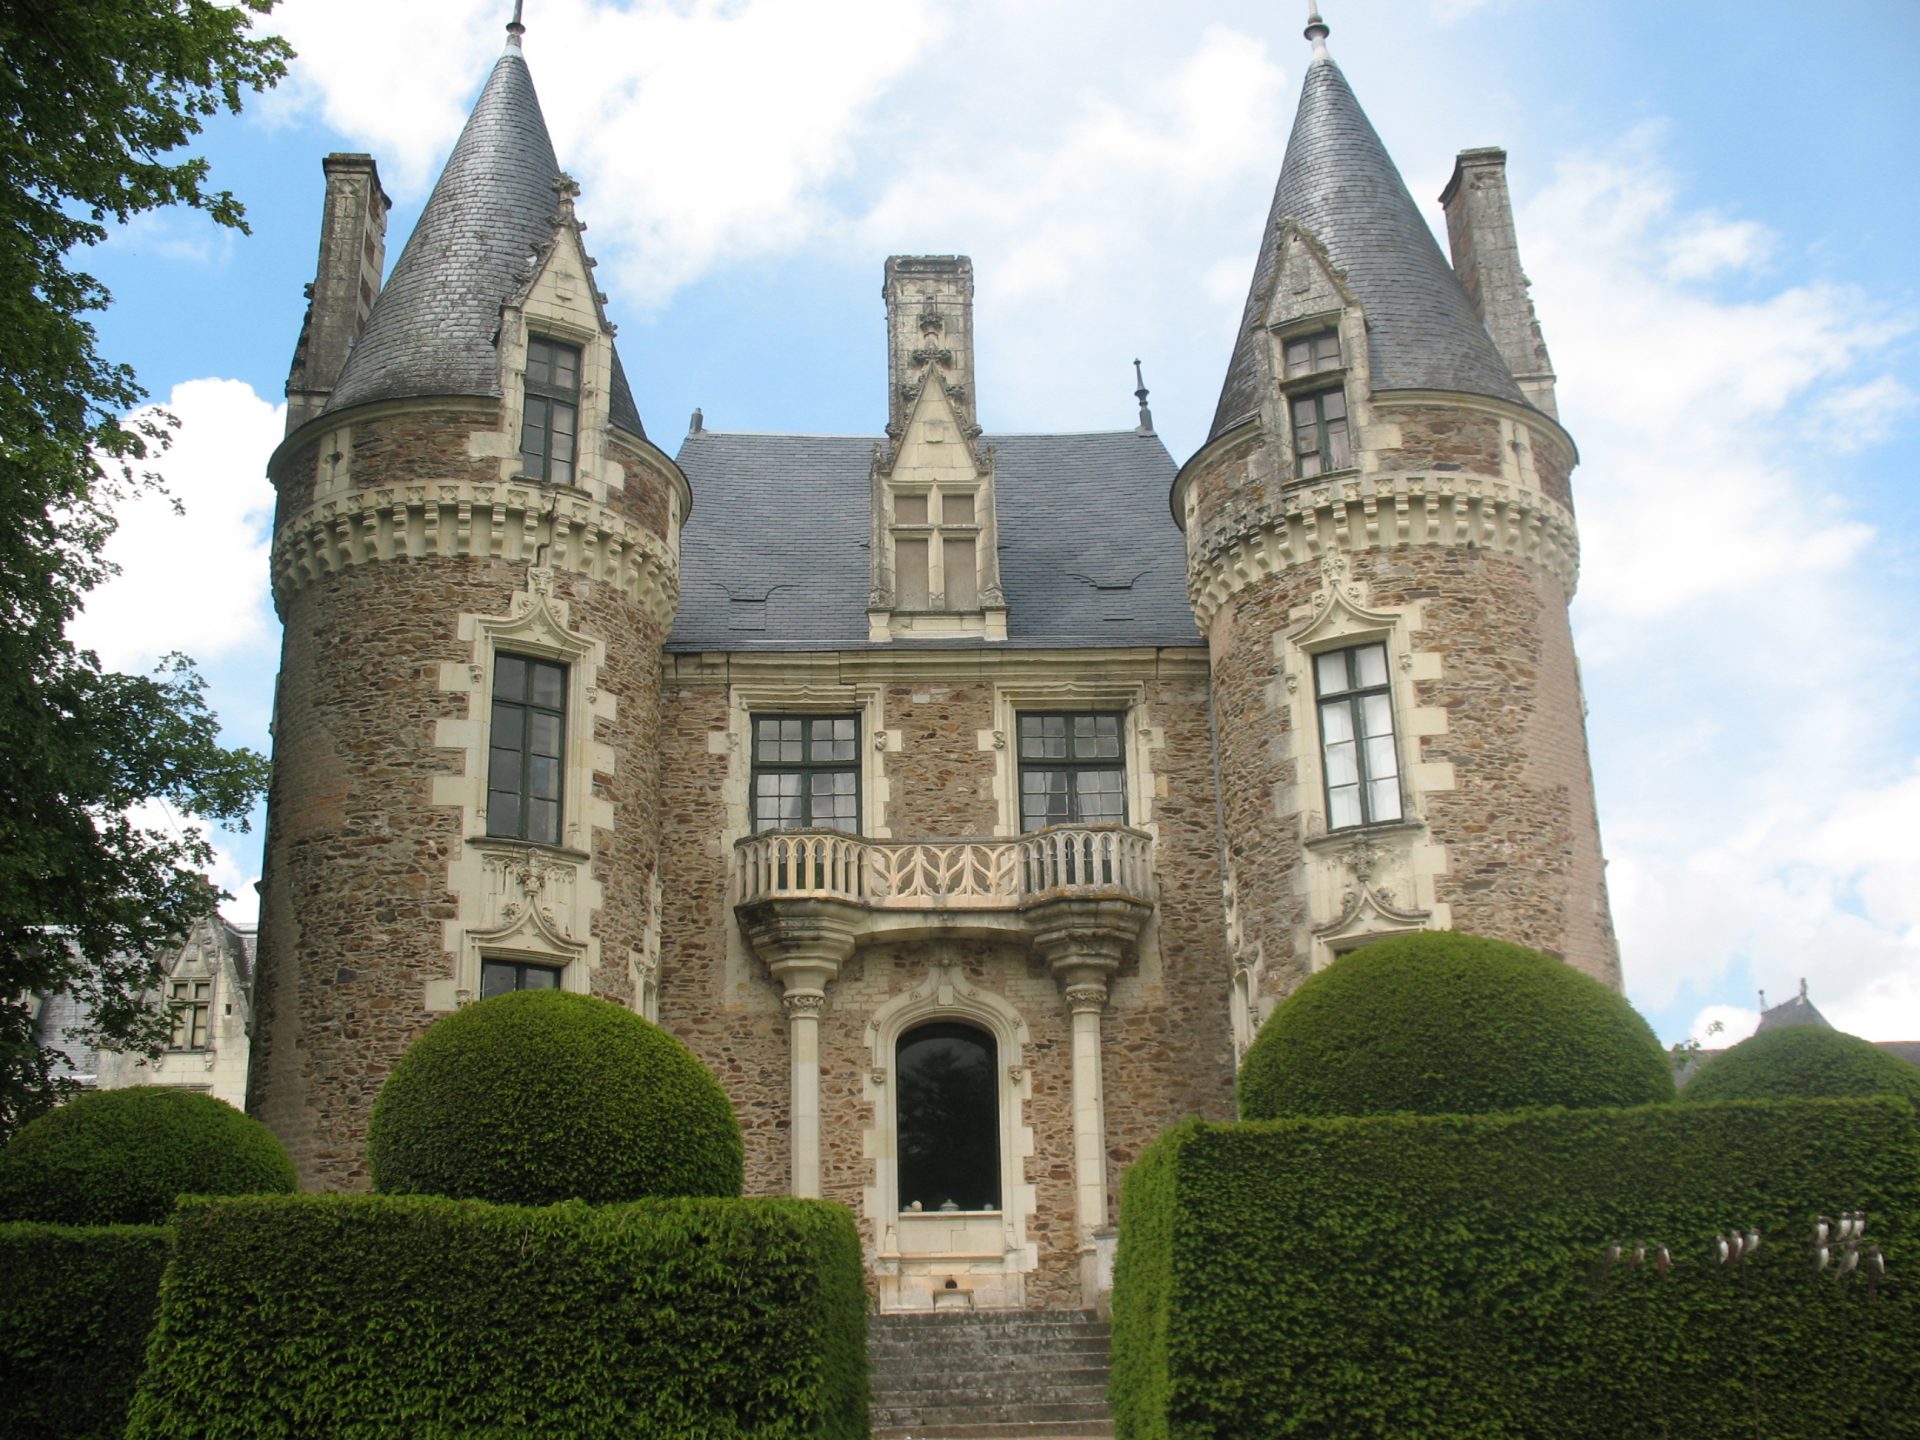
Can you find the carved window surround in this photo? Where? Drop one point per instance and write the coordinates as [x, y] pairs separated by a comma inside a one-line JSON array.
[[519, 900], [917, 1253], [1072, 690]]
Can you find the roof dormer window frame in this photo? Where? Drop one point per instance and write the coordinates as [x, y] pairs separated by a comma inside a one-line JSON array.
[[1316, 404]]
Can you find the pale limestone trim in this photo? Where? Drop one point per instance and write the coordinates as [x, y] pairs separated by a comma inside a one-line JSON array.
[[518, 900], [1374, 879], [1387, 513], [910, 1267], [552, 526]]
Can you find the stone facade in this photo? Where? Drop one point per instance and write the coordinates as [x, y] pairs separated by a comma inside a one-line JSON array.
[[1111, 950]]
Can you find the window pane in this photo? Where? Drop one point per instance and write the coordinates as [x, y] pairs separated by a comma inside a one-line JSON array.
[[496, 979], [1376, 716], [1371, 663], [1102, 797], [1309, 466], [1305, 415], [910, 509], [539, 360], [1326, 349], [539, 977], [1343, 764], [546, 734], [508, 726], [1330, 672], [1333, 405], [543, 821], [956, 509], [1343, 806], [510, 677], [503, 769], [503, 811], [1385, 796], [543, 777], [1381, 764], [963, 580], [911, 558], [1299, 357], [566, 367], [1339, 455], [1336, 722]]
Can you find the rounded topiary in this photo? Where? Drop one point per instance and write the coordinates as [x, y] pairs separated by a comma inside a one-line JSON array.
[[1804, 1062], [539, 1096], [1441, 1023], [122, 1157]]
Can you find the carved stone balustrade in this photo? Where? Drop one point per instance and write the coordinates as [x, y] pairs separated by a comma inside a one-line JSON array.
[[944, 886]]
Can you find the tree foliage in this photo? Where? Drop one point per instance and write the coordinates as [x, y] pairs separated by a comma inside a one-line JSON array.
[[96, 96]]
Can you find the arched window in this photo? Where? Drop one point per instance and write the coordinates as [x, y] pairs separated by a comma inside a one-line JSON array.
[[949, 1117]]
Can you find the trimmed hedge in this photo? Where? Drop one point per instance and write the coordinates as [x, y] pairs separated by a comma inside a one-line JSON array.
[[540, 1096], [410, 1318], [1445, 1277], [1441, 1023], [1804, 1062], [75, 1309], [122, 1157]]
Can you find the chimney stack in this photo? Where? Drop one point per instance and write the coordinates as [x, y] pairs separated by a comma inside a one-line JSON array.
[[353, 255], [1486, 257]]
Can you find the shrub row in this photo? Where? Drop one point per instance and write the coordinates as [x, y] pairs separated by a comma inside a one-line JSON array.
[[382, 1317], [75, 1308], [1445, 1276]]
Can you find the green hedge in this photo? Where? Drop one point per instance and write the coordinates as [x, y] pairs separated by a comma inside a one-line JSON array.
[[411, 1318], [1441, 1023], [1804, 1062], [540, 1096], [121, 1157], [75, 1309], [1444, 1277]]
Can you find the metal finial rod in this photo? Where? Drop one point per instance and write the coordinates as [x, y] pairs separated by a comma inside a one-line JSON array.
[[514, 28], [1140, 394], [1316, 30]]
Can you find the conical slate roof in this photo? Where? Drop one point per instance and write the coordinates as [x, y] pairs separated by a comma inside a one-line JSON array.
[[1339, 183], [432, 330]]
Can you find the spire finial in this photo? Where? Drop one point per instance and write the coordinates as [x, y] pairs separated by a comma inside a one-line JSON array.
[[1140, 394], [514, 28], [1316, 30]]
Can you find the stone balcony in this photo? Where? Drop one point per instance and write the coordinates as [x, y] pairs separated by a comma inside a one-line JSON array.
[[900, 888]]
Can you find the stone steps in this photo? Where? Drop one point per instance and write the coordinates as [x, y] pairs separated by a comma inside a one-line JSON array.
[[989, 1375]]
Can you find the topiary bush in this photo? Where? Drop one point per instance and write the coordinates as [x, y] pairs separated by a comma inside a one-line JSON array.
[[1442, 1023], [1804, 1062], [541, 1096], [122, 1157]]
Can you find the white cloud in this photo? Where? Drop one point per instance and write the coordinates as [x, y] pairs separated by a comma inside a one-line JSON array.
[[1753, 710], [235, 866], [193, 581], [1719, 1027]]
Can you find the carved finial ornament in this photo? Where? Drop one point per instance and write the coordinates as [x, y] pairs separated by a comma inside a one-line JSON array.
[[1316, 31], [1140, 394], [514, 28]]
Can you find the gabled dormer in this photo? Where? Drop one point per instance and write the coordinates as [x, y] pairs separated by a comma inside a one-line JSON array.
[[1315, 358], [936, 563]]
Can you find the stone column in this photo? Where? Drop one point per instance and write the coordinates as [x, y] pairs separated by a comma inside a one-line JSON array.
[[1084, 943], [804, 943]]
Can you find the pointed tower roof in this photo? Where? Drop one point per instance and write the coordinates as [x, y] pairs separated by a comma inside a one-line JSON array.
[[433, 330], [1339, 183]]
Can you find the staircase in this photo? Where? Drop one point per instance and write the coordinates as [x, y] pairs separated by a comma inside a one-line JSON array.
[[989, 1375]]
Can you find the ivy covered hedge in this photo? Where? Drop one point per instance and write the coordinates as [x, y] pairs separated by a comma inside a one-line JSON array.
[[1804, 1062], [540, 1096], [121, 1157], [75, 1308], [410, 1318], [1441, 1023], [1446, 1277]]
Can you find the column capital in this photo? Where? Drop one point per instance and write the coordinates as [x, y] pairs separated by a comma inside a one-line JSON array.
[[1084, 941], [802, 942]]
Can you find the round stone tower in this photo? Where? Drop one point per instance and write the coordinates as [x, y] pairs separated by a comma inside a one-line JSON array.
[[475, 559], [1381, 550]]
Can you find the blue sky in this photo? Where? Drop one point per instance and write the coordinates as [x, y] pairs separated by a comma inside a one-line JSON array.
[[1715, 202]]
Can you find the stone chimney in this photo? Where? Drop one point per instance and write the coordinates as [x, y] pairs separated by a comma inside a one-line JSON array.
[[353, 255], [929, 322], [1486, 257]]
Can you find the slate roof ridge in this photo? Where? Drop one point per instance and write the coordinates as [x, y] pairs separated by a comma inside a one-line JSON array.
[[1339, 183], [434, 325]]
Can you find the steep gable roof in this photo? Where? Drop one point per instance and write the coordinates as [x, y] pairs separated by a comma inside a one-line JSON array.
[[433, 329], [1339, 183], [777, 556]]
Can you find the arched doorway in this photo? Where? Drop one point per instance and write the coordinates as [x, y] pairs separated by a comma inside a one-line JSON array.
[[947, 1118]]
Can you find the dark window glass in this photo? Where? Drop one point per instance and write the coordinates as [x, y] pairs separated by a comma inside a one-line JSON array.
[[806, 772], [948, 1098], [552, 415], [525, 749], [497, 977], [1072, 771], [1311, 353], [1320, 432], [1356, 736]]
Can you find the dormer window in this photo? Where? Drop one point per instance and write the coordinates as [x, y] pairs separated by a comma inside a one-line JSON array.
[[552, 416], [936, 549], [1320, 432]]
